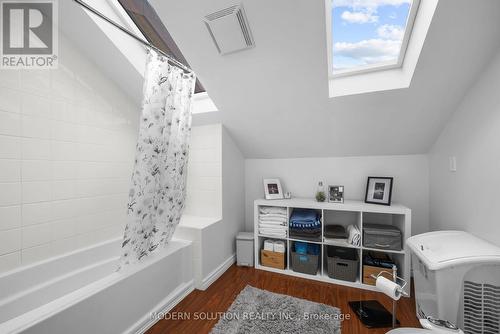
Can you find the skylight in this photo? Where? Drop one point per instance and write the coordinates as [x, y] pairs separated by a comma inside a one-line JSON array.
[[369, 35]]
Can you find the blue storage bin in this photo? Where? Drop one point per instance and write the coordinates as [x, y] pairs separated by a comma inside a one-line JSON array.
[[300, 247]]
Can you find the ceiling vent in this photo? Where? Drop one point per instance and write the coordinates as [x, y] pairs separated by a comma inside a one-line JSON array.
[[229, 29]]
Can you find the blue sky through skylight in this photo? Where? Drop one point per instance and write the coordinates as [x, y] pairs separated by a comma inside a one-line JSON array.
[[367, 32]]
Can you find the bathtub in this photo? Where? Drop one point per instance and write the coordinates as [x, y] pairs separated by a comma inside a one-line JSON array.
[[81, 292]]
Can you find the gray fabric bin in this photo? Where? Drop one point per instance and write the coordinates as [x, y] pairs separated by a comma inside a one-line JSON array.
[[382, 236], [305, 263], [342, 263]]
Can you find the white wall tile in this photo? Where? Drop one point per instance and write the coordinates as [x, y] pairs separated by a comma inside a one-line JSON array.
[[10, 123], [63, 190], [35, 254], [109, 232], [37, 191], [35, 149], [61, 246], [63, 111], [67, 208], [10, 217], [87, 239], [64, 228], [64, 131], [36, 170], [35, 235], [63, 83], [36, 127], [205, 155], [10, 100], [10, 261], [64, 170], [10, 241], [9, 79], [36, 81], [205, 169], [65, 158], [10, 194], [10, 147], [64, 151], [10, 170], [37, 213], [35, 105]]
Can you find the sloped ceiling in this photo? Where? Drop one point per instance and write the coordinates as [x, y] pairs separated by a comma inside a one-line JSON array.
[[273, 98]]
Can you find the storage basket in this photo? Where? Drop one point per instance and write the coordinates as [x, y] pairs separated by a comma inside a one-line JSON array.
[[305, 263], [342, 263], [382, 236], [272, 259]]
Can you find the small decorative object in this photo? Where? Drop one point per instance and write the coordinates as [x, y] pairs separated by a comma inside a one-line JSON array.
[[320, 193], [320, 196], [272, 189], [336, 194], [288, 195], [379, 190]]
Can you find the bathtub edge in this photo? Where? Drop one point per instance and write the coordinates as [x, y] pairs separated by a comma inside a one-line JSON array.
[[167, 304]]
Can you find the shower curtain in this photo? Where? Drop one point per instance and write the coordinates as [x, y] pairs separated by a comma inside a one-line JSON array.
[[158, 190]]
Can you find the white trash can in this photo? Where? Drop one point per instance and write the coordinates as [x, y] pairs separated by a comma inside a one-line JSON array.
[[244, 249]]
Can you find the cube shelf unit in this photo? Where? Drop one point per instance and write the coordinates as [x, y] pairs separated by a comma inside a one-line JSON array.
[[349, 212]]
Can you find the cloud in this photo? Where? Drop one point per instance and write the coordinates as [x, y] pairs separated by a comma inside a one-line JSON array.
[[368, 5], [392, 32], [359, 17], [369, 51]]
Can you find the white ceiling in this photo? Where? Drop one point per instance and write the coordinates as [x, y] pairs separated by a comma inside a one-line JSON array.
[[273, 98]]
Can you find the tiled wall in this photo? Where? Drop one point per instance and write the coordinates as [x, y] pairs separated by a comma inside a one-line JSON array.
[[67, 141], [204, 184]]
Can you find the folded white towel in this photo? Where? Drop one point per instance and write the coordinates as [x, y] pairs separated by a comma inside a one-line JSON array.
[[354, 235], [277, 220], [274, 235], [272, 209], [273, 228], [279, 246], [271, 216], [269, 245], [272, 222], [282, 234]]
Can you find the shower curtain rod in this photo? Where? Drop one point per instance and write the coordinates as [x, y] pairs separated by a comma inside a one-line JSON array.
[[134, 36]]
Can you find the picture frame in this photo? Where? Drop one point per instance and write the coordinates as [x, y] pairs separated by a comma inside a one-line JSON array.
[[272, 189], [379, 190], [336, 194]]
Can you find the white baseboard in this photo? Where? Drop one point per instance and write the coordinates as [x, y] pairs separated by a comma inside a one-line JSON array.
[[163, 307], [214, 275]]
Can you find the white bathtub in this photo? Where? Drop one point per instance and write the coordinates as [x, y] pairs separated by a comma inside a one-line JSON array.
[[81, 292]]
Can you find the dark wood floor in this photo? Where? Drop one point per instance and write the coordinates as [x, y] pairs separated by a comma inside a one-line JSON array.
[[220, 295]]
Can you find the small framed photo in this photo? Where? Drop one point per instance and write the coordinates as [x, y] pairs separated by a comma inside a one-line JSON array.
[[379, 190], [336, 194], [272, 189]]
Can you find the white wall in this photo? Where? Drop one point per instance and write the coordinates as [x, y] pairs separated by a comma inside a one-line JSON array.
[[204, 183], [301, 176], [67, 142], [215, 201], [468, 199], [233, 191]]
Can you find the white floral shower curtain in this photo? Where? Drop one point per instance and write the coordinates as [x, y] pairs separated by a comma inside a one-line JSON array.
[[158, 190]]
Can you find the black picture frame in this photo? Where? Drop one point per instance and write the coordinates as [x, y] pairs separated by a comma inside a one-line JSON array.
[[374, 193]]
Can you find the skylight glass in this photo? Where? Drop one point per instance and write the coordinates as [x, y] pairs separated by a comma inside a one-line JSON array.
[[369, 34]]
